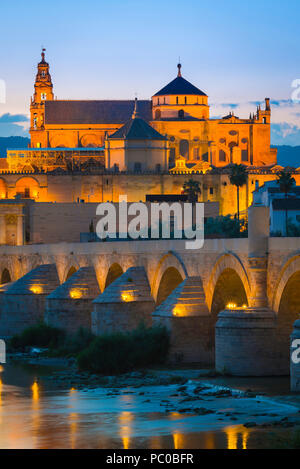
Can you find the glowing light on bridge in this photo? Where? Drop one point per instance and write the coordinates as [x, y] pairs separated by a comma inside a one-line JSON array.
[[36, 289], [75, 293], [127, 297], [231, 306], [179, 311]]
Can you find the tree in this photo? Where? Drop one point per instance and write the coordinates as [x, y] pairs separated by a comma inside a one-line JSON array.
[[286, 183], [192, 188], [238, 177]]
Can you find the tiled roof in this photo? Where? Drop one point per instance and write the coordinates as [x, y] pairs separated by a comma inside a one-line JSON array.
[[93, 112], [180, 86], [137, 129]]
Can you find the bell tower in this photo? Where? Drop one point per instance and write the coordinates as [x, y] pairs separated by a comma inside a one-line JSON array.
[[43, 90]]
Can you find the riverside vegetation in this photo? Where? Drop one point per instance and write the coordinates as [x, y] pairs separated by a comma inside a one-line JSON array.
[[107, 354]]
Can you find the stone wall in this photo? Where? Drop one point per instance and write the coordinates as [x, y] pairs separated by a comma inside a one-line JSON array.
[[108, 187]]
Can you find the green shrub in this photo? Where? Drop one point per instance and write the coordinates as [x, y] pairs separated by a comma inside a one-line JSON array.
[[225, 227], [74, 344], [39, 335], [121, 352]]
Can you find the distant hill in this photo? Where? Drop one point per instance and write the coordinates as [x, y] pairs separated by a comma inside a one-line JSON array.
[[288, 156], [12, 142]]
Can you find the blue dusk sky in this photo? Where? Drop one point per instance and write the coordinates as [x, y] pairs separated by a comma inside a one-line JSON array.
[[237, 51]]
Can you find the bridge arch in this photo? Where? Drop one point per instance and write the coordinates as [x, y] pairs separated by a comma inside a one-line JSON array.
[[114, 272], [286, 302], [5, 276], [291, 267], [169, 273], [230, 275], [69, 272]]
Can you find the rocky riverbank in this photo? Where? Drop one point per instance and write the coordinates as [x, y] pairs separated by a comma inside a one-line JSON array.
[[189, 392]]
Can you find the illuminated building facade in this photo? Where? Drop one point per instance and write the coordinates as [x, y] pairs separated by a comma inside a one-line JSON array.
[[179, 112]]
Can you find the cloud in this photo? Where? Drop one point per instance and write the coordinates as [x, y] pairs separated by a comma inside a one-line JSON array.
[[13, 118], [230, 105], [15, 125], [285, 133]]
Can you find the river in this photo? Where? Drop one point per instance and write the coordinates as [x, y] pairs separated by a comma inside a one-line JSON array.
[[35, 415]]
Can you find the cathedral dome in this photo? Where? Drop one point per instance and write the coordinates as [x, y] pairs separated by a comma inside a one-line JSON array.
[[137, 129], [180, 86]]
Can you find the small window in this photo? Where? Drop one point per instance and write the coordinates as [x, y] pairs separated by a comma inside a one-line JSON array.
[[43, 96], [181, 114], [176, 99], [185, 100], [211, 191], [264, 120], [158, 101]]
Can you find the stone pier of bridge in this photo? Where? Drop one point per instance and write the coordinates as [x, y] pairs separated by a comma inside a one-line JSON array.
[[231, 304]]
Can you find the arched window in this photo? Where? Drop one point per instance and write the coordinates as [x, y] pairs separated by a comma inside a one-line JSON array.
[[222, 156], [5, 277], [176, 99], [245, 155], [27, 187], [231, 146], [181, 114], [185, 100], [172, 158], [184, 148]]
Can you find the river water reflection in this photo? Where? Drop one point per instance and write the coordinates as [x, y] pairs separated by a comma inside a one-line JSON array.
[[34, 416]]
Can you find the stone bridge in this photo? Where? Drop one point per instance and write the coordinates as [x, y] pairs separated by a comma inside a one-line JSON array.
[[114, 285]]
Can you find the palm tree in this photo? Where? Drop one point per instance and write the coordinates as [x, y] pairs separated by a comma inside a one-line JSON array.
[[286, 183], [192, 188], [238, 177]]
